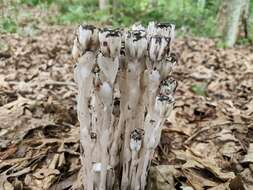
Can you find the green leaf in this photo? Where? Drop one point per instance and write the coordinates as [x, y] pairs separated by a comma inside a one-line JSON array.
[[198, 89], [9, 25]]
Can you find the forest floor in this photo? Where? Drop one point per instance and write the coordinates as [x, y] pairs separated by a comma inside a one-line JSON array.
[[207, 142]]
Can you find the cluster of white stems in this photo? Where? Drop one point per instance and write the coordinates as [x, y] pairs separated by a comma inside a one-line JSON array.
[[125, 94]]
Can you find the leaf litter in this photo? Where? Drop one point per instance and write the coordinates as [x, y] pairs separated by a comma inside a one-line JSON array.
[[206, 142]]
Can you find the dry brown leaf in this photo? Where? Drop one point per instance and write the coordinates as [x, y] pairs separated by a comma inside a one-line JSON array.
[[192, 162], [161, 177], [247, 179], [202, 73], [223, 186], [248, 158], [198, 181], [229, 149]]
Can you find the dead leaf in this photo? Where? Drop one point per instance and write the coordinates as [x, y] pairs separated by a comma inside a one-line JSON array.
[[161, 177], [248, 158]]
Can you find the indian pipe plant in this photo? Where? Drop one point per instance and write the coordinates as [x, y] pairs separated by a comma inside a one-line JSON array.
[[125, 94]]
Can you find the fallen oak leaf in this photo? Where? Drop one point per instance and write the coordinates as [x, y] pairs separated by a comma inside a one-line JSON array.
[[161, 177], [223, 186], [7, 185], [235, 184], [229, 149], [65, 183], [45, 172], [249, 156], [247, 179], [21, 172], [197, 180], [8, 152], [55, 163], [226, 135], [202, 73], [193, 161]]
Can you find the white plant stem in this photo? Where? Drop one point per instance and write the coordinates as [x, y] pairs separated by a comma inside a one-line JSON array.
[[123, 101], [134, 93], [83, 74]]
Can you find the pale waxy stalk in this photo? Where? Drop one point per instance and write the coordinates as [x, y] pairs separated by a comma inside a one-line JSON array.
[[125, 95], [85, 46], [108, 61], [136, 45]]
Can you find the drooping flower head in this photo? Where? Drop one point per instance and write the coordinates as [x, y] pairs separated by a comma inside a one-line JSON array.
[[136, 43], [88, 37], [110, 42]]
